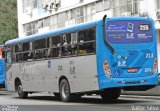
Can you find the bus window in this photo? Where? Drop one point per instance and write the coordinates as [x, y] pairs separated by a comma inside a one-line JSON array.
[[49, 47], [16, 48], [20, 52], [39, 47], [74, 43], [26, 46], [86, 41], [31, 52], [14, 55], [25, 51], [40, 44], [66, 47], [56, 44], [8, 57], [8, 60]]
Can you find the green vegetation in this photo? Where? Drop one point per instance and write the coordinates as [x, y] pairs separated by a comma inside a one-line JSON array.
[[8, 20]]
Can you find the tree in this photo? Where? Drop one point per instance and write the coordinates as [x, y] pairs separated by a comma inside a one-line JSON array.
[[8, 20]]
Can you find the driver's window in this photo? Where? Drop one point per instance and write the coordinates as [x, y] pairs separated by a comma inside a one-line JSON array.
[[8, 57]]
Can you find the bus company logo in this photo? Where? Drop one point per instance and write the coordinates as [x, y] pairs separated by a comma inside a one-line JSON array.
[[130, 35], [106, 69], [130, 27]]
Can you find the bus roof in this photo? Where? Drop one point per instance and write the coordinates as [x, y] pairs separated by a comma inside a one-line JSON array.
[[50, 33], [131, 18], [68, 29]]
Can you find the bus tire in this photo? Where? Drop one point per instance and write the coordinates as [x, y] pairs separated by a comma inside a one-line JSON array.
[[64, 90], [21, 93], [110, 94]]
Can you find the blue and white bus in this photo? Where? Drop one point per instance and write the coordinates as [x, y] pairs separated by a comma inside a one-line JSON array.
[[100, 57], [2, 69]]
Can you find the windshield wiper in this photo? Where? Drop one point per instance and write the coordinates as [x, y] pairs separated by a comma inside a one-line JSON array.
[[104, 36]]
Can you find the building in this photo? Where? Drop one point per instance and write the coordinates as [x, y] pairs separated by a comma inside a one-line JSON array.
[[39, 16]]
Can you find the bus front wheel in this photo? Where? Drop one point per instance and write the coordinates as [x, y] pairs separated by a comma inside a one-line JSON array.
[[20, 91], [65, 92], [110, 94]]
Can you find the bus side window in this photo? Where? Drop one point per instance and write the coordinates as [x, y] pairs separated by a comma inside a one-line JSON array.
[[81, 37], [91, 35], [49, 47], [20, 53], [16, 48], [86, 41], [56, 44], [39, 47], [14, 55], [25, 51], [31, 52], [74, 43], [15, 51], [69, 47], [66, 50], [8, 57]]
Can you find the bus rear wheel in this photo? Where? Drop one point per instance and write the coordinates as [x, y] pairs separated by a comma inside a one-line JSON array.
[[64, 90], [110, 94], [21, 93]]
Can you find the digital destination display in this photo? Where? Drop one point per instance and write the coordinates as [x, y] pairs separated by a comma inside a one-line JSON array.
[[125, 32]]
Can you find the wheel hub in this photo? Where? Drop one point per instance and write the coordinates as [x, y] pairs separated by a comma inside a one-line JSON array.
[[64, 91], [20, 89]]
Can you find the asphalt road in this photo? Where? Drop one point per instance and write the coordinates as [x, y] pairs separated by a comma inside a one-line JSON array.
[[47, 102]]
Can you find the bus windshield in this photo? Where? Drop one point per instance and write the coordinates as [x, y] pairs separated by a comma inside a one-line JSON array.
[[127, 31]]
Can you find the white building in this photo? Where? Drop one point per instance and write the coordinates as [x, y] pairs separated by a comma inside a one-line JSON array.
[[39, 16]]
